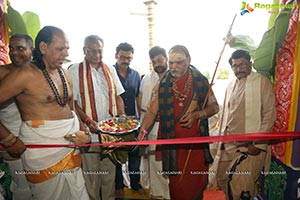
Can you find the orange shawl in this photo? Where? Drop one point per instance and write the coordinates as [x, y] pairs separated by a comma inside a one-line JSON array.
[[87, 90]]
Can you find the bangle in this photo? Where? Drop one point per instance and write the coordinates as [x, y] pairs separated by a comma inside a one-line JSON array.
[[88, 120], [10, 140], [13, 142]]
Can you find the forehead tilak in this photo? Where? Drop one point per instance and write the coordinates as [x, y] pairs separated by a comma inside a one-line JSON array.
[[176, 56]]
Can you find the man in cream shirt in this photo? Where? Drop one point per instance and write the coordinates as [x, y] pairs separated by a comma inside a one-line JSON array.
[[249, 107]]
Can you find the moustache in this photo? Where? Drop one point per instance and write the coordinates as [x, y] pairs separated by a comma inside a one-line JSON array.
[[239, 73], [174, 70], [159, 69]]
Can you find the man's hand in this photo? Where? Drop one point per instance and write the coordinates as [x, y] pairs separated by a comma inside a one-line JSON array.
[[80, 137], [93, 126], [142, 135], [188, 119], [229, 39], [17, 149]]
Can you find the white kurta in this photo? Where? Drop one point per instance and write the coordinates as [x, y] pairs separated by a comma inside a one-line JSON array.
[[100, 91]]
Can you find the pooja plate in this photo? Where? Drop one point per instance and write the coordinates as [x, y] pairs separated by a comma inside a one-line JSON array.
[[118, 125]]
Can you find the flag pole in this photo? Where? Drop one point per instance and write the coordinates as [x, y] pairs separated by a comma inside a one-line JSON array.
[[223, 49]]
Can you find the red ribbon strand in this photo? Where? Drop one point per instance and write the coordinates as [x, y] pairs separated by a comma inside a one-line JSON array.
[[193, 140]]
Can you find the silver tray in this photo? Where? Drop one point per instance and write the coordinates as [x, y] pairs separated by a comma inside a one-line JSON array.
[[116, 129]]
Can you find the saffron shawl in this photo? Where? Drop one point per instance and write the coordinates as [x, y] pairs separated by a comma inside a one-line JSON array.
[[87, 90], [167, 121]]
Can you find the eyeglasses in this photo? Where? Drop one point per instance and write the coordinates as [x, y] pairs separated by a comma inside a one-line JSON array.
[[241, 65], [93, 51], [125, 58]]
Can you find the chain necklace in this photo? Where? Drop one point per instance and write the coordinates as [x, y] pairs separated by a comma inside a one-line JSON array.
[[181, 96], [60, 101]]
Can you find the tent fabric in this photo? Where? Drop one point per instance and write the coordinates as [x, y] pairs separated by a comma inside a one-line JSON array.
[[3, 34], [287, 91]]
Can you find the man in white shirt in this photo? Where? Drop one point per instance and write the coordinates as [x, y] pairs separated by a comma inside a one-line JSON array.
[[159, 184], [97, 91]]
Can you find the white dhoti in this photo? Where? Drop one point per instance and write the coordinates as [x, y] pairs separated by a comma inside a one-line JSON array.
[[53, 173], [19, 185], [11, 119], [159, 184], [67, 186]]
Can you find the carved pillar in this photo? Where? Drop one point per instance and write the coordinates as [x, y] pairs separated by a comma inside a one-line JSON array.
[[151, 23]]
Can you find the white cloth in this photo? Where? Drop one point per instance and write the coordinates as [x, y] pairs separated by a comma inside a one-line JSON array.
[[99, 173], [11, 119], [159, 184], [51, 132], [19, 185], [252, 102], [100, 84], [260, 112], [147, 84], [214, 130], [64, 186]]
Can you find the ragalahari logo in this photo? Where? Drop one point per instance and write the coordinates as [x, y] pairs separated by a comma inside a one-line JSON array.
[[271, 8], [246, 8]]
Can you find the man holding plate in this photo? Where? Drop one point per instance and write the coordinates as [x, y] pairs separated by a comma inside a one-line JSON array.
[[97, 90]]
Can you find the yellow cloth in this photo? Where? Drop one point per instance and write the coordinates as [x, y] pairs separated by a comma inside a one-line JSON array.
[[71, 161]]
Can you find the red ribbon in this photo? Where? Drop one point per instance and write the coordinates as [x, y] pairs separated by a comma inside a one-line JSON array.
[[191, 140]]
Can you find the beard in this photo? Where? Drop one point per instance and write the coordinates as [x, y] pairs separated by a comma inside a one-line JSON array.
[[160, 69]]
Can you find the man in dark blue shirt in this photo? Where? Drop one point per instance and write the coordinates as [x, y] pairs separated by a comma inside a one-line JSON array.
[[130, 80]]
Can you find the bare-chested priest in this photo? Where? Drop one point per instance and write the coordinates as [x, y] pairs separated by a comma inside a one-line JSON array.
[[43, 93]]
